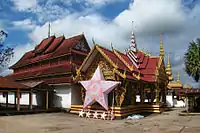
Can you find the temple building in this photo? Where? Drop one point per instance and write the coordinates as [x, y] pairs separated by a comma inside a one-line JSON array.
[[52, 63], [176, 90], [139, 74]]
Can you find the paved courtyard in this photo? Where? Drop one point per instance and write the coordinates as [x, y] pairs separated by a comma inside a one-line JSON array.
[[168, 122]]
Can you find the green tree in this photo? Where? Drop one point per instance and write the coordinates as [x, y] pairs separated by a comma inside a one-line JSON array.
[[5, 52], [192, 60]]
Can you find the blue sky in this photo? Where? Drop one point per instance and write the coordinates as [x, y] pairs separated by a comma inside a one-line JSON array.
[[10, 12], [106, 21]]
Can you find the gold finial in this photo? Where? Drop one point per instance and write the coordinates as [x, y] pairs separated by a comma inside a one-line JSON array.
[[179, 78], [162, 54], [168, 69], [124, 74], [138, 76], [189, 86]]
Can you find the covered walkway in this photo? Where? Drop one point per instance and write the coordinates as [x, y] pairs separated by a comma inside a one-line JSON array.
[[6, 86], [39, 88]]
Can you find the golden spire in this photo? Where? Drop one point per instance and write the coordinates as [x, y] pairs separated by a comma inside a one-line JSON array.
[[162, 53], [189, 86], [168, 69], [179, 78]]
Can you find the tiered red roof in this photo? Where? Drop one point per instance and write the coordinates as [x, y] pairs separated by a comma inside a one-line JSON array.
[[50, 49], [147, 64], [54, 50]]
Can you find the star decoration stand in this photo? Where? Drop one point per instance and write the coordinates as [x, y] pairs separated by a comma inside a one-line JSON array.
[[103, 115], [95, 115], [81, 113], [88, 114]]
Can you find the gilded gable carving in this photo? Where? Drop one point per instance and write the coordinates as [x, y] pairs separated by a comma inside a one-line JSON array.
[[105, 68]]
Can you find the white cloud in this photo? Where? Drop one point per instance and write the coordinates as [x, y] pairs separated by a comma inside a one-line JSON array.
[[49, 12], [101, 2], [24, 4], [150, 18], [25, 24], [89, 2]]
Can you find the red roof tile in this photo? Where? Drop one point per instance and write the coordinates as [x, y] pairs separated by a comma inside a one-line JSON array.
[[44, 44], [47, 70], [59, 80], [128, 61], [147, 64], [6, 83], [56, 42], [115, 59], [52, 80], [52, 50]]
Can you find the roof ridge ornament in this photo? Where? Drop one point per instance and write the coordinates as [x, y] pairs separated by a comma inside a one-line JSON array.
[[49, 30], [130, 52], [133, 45]]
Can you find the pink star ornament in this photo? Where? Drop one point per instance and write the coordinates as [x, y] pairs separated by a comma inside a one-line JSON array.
[[97, 89]]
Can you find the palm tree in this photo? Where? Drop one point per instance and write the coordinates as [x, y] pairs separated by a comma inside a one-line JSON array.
[[192, 60]]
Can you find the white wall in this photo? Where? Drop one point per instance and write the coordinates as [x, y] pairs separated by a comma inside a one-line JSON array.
[[170, 102], [62, 97], [24, 100]]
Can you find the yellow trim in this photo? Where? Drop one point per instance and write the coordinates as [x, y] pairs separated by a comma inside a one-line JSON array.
[[105, 56], [119, 56], [130, 67], [158, 67], [119, 73], [144, 52], [78, 72]]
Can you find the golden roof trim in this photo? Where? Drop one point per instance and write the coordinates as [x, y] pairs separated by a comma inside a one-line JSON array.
[[121, 58], [105, 56], [78, 72]]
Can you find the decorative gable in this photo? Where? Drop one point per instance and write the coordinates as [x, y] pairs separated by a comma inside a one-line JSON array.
[[82, 45]]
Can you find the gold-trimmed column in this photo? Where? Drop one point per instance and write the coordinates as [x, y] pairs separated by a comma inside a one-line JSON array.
[[117, 91], [157, 94], [82, 94], [123, 92]]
